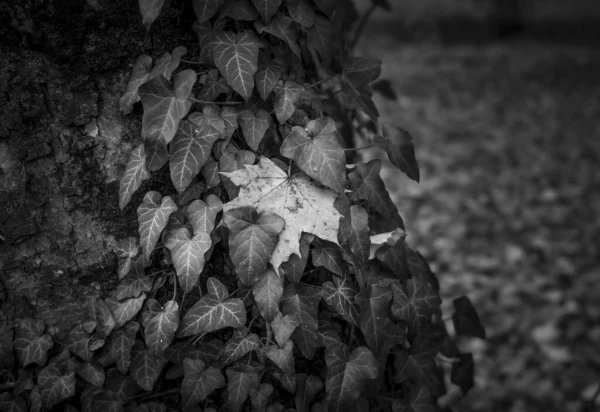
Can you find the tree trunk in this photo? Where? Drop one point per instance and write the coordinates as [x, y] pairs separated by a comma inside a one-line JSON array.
[[63, 146]]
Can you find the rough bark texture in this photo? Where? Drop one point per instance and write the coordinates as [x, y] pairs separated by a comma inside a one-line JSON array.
[[64, 144]]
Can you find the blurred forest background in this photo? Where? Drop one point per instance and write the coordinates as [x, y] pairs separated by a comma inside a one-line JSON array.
[[503, 100]]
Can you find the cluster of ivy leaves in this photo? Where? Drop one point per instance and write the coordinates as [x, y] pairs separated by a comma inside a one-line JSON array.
[[290, 286]]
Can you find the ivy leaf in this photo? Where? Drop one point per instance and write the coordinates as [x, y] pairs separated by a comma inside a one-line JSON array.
[[31, 343], [145, 368], [330, 257], [260, 396], [150, 10], [55, 386], [105, 321], [192, 192], [283, 327], [230, 162], [286, 96], [254, 126], [135, 173], [359, 240], [267, 8], [132, 286], [202, 214], [91, 373], [213, 312], [318, 152], [167, 63], [267, 293], [239, 345], [207, 352], [304, 206], [307, 389], [420, 400], [420, 270], [252, 239], [358, 72], [157, 153], [139, 75], [153, 215], [347, 373], [320, 36], [229, 116], [398, 145], [12, 403], [284, 28], [210, 173], [199, 382], [120, 345], [302, 12], [415, 303], [287, 380], [7, 357], [302, 301], [77, 341], [374, 311], [239, 10], [236, 57], [125, 250], [188, 255], [294, 267], [367, 185], [465, 318], [190, 150], [239, 382], [123, 386], [282, 357], [266, 78], [214, 86], [210, 116], [165, 105], [125, 310], [160, 330], [206, 9], [341, 295], [419, 368]]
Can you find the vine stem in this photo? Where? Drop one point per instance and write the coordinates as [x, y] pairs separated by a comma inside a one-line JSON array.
[[322, 80], [191, 62], [198, 338], [361, 25], [210, 102], [350, 149]]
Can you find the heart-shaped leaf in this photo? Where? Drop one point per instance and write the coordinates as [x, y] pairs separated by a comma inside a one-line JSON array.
[[160, 330], [135, 173], [125, 250], [267, 8], [91, 373], [31, 343], [236, 57], [120, 345], [267, 294], [199, 382], [415, 303], [302, 301], [77, 341], [266, 78], [145, 368], [341, 295], [283, 327], [304, 206], [139, 75], [55, 386], [367, 185], [210, 116], [202, 214], [132, 286], [188, 255], [301, 11], [165, 105], [125, 310], [282, 357], [206, 9], [167, 63], [254, 126], [347, 373], [239, 382], [465, 318], [398, 145], [153, 215], [213, 312], [214, 86], [150, 10], [239, 345], [286, 96], [284, 28], [252, 239], [210, 173], [190, 150], [318, 152]]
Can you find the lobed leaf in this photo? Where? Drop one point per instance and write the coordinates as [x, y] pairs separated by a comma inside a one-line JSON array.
[[318, 152], [282, 357], [239, 345], [188, 255], [125, 310], [199, 382], [31, 344], [341, 295], [160, 330], [145, 368], [236, 57], [153, 215], [415, 303], [77, 341], [55, 386], [239, 382]]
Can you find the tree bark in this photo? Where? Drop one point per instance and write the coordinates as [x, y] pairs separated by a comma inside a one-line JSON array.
[[64, 144]]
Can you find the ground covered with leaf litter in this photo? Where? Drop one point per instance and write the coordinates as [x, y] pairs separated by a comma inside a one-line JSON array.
[[508, 140]]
